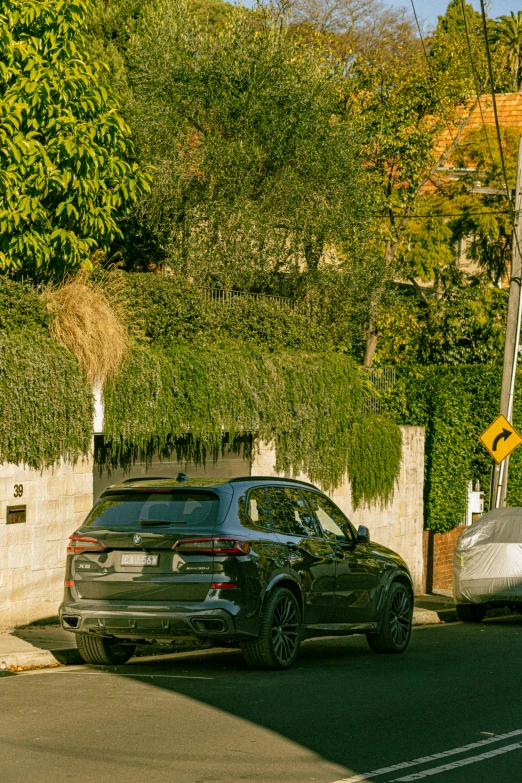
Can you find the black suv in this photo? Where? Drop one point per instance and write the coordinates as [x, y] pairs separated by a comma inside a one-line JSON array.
[[262, 562]]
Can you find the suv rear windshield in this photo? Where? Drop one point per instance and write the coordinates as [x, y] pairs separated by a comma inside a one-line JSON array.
[[150, 509]]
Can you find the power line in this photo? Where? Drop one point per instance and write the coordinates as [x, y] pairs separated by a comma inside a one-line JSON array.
[[452, 137], [475, 78], [451, 215], [495, 112]]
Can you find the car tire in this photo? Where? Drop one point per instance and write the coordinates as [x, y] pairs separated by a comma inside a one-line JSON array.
[[279, 639], [394, 635], [471, 613], [103, 649]]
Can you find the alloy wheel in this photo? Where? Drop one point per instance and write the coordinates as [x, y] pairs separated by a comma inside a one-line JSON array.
[[400, 617], [285, 629]]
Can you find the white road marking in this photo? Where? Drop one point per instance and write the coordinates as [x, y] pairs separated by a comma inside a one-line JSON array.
[[153, 676], [460, 763], [368, 776], [78, 671]]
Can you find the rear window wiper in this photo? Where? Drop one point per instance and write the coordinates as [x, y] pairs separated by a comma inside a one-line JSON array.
[[154, 522]]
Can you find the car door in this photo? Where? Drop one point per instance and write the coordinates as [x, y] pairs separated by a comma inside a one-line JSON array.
[[310, 556], [357, 576]]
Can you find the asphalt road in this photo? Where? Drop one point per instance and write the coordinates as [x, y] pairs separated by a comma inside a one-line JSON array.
[[343, 713]]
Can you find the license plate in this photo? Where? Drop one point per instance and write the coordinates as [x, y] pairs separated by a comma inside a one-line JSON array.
[[135, 559]]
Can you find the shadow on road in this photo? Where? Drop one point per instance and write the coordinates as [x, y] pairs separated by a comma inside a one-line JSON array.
[[358, 709]]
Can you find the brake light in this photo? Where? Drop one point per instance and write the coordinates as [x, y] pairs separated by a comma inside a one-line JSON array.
[[79, 544], [214, 546], [223, 586], [69, 582]]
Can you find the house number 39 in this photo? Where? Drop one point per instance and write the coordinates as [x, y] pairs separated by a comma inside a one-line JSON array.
[[18, 490]]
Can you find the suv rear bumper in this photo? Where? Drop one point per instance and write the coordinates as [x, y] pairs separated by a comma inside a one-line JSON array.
[[151, 624]]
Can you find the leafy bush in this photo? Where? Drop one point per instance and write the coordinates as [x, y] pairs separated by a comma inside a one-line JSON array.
[[455, 404], [171, 309], [21, 308], [47, 407], [308, 405], [265, 323]]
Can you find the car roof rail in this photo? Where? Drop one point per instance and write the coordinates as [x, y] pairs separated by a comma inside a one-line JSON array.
[[272, 478], [147, 478]]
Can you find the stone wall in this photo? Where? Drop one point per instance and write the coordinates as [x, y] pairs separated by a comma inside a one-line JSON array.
[[32, 552], [399, 525]]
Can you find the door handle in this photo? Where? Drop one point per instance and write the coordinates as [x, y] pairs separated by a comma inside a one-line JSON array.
[[339, 553], [292, 546]]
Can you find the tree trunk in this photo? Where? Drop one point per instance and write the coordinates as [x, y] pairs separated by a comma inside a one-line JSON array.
[[372, 338]]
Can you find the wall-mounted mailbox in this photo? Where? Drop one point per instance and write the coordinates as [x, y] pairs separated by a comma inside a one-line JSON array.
[[15, 515]]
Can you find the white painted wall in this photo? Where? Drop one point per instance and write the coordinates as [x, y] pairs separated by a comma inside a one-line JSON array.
[[32, 554], [399, 525]]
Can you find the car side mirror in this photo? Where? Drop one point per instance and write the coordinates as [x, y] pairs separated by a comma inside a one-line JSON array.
[[363, 535]]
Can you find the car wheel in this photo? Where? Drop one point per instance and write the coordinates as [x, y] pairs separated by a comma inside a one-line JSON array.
[[103, 649], [280, 637], [395, 632], [471, 613]]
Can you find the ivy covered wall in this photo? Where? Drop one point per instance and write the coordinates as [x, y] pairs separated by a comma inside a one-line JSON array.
[[309, 405], [197, 367], [455, 404], [46, 405]]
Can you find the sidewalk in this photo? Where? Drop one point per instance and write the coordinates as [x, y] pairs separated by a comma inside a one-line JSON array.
[[49, 645]]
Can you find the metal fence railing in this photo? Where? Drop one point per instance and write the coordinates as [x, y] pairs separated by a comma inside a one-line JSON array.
[[383, 379], [225, 295]]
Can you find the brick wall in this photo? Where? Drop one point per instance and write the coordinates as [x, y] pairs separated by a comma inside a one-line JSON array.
[[438, 557]]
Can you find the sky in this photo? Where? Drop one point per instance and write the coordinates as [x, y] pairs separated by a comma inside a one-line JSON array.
[[429, 10]]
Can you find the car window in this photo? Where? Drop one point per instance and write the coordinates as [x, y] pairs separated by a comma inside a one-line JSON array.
[[332, 521], [257, 507], [290, 513], [132, 509]]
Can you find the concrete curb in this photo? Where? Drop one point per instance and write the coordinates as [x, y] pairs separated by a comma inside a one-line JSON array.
[[20, 654], [36, 657], [430, 617]]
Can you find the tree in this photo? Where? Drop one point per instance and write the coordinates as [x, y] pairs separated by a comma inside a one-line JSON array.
[[257, 168], [66, 170], [507, 35]]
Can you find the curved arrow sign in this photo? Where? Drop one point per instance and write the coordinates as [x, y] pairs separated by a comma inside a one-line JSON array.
[[504, 435], [500, 439]]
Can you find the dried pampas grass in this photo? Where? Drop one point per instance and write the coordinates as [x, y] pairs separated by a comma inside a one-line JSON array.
[[87, 323]]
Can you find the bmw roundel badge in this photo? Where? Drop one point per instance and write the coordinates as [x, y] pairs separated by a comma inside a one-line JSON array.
[[137, 540]]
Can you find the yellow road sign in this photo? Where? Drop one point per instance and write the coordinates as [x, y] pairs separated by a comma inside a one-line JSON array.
[[500, 439]]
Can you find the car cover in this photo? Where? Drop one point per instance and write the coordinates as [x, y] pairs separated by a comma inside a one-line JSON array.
[[487, 564]]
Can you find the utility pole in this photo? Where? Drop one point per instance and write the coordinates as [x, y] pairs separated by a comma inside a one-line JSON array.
[[500, 472]]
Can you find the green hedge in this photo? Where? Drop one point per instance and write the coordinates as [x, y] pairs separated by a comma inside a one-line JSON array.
[[47, 407], [171, 310], [307, 404], [21, 308], [455, 404]]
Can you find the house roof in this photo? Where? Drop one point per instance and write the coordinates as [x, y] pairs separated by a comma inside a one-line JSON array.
[[509, 110]]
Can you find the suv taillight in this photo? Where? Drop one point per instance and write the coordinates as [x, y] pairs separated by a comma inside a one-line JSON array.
[[213, 546], [79, 544]]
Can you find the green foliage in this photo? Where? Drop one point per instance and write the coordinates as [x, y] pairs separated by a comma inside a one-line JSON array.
[[455, 404], [21, 309], [64, 171], [507, 37], [47, 407], [307, 404], [465, 326], [171, 309], [168, 309], [375, 447], [257, 167]]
